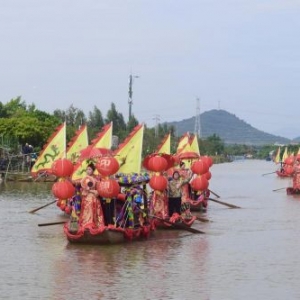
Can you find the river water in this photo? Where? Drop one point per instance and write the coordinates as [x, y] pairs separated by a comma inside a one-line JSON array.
[[246, 253]]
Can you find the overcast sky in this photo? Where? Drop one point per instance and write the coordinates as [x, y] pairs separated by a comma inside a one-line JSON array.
[[242, 56]]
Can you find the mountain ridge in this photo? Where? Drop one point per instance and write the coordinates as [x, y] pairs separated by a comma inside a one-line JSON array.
[[229, 128]]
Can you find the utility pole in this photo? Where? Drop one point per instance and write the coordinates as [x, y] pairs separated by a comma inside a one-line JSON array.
[[197, 130], [130, 92], [157, 119]]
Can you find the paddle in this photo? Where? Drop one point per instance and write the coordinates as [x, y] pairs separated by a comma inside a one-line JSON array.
[[214, 194], [269, 173], [178, 225], [201, 219], [52, 223], [279, 189], [36, 209], [224, 203]]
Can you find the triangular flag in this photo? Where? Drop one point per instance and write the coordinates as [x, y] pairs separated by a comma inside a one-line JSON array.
[[103, 140], [129, 153], [285, 154], [165, 146], [184, 140], [194, 144], [78, 142], [54, 149], [277, 156]]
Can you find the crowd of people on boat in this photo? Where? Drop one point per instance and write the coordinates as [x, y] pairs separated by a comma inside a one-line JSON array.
[[132, 207]]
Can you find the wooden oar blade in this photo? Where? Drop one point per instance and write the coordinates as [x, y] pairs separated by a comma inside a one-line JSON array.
[[201, 219], [279, 189], [268, 173], [224, 203], [38, 208], [52, 223], [214, 193]]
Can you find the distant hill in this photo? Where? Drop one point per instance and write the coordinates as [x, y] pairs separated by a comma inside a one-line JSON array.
[[229, 128]]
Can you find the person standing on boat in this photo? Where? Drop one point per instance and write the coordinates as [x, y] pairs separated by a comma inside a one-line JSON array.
[[174, 194], [296, 174], [91, 214]]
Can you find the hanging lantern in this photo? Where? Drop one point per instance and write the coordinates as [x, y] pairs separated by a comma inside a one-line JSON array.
[[289, 160], [157, 163], [208, 175], [108, 188], [289, 169], [200, 183], [158, 182], [200, 167], [107, 165], [62, 167], [208, 160], [63, 189]]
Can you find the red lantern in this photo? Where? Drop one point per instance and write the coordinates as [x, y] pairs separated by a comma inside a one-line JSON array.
[[157, 164], [199, 167], [208, 175], [158, 182], [108, 188], [200, 183], [63, 189], [289, 170], [289, 160], [208, 160], [62, 167], [107, 165]]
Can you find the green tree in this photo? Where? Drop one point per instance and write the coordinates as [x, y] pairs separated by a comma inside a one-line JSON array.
[[119, 126]]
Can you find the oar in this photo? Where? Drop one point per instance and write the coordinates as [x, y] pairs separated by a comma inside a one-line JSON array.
[[224, 203], [178, 225], [269, 173], [36, 209], [279, 189], [52, 223], [201, 219], [214, 194]]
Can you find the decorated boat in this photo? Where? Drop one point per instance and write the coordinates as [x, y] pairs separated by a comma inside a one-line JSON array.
[[123, 219], [111, 207]]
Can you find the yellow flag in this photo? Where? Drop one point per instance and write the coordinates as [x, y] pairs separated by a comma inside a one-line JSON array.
[[129, 153], [183, 142], [165, 146], [194, 144], [79, 142], [54, 149], [277, 156], [285, 154], [104, 138], [298, 151]]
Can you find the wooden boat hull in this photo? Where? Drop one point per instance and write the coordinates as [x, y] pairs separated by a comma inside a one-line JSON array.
[[292, 191], [109, 235]]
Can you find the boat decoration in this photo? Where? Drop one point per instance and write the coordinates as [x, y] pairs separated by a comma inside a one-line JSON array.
[[165, 145], [54, 149], [99, 146]]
